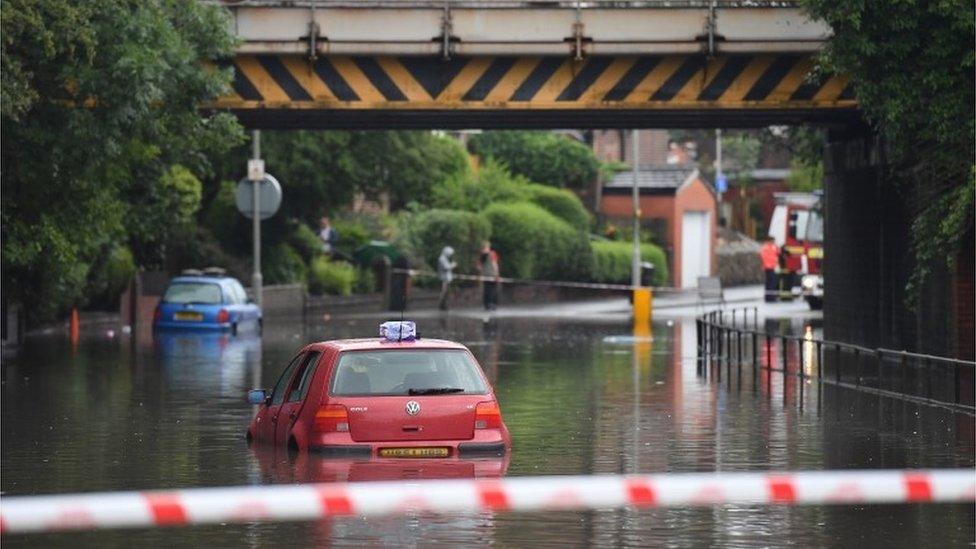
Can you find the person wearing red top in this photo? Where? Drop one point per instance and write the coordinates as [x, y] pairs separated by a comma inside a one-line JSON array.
[[769, 253], [488, 266]]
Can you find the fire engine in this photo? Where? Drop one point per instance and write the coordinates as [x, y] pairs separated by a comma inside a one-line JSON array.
[[797, 228]]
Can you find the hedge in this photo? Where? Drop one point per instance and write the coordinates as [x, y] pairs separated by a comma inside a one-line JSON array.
[[426, 234], [561, 203], [612, 261], [330, 277], [535, 244]]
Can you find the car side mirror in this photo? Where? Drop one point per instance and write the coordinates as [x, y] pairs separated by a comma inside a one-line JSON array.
[[257, 396]]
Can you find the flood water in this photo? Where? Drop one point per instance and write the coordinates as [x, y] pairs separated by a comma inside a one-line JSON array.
[[578, 399]]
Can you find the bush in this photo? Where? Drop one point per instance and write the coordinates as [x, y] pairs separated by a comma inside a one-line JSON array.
[[365, 281], [535, 244], [304, 240], [351, 235], [427, 233], [474, 192], [612, 262], [561, 203], [109, 278], [543, 157], [281, 264], [330, 277]]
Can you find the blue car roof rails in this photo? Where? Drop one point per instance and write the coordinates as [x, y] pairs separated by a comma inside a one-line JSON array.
[[215, 271], [191, 272]]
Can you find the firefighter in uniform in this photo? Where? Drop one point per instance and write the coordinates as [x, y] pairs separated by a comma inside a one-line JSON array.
[[769, 253]]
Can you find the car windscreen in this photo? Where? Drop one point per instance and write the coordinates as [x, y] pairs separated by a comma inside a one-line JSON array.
[[407, 372], [193, 292]]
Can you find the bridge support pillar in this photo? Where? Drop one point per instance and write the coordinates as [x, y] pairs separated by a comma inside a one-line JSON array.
[[869, 260]]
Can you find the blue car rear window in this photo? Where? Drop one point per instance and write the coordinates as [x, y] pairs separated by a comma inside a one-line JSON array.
[[194, 292]]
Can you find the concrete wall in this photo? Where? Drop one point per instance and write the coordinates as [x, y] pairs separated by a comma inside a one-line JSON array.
[[868, 261]]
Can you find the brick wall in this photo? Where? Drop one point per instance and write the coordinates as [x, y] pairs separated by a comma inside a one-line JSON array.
[[868, 259]]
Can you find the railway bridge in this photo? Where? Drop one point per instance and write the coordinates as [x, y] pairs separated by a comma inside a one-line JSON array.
[[387, 64]]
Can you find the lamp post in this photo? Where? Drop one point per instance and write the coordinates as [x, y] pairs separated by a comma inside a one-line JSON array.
[[256, 279], [635, 166]]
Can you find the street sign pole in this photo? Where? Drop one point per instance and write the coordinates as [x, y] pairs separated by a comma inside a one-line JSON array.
[[719, 175], [256, 280], [635, 278]]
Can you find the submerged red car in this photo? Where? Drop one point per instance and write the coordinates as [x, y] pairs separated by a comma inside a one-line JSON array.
[[396, 396]]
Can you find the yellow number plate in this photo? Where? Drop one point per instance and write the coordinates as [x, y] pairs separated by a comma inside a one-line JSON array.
[[194, 317], [414, 452]]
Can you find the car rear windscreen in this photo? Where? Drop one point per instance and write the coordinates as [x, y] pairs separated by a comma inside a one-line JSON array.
[[413, 372], [193, 292]]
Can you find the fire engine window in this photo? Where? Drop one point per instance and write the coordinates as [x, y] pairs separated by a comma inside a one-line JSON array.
[[798, 224]]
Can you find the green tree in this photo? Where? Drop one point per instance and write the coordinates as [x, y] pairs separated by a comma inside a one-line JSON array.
[[911, 63], [542, 157], [102, 133]]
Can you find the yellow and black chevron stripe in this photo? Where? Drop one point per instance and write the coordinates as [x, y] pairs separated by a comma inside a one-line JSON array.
[[630, 82]]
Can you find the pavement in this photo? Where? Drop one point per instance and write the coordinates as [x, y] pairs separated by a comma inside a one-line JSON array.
[[671, 305]]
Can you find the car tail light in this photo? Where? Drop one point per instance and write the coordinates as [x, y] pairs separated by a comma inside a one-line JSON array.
[[223, 316], [332, 418], [157, 315], [487, 415]]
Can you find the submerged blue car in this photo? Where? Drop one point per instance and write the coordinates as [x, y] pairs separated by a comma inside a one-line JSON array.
[[206, 300]]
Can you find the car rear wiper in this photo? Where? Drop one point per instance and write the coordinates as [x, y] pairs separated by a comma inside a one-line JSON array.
[[435, 391]]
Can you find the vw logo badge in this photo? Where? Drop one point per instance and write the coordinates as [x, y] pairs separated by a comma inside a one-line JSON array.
[[413, 407]]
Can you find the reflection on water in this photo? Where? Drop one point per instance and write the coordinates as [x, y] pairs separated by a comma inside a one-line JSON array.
[[172, 414]]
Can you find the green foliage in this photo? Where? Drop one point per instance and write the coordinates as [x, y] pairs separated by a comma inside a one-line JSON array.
[[543, 157], [426, 233], [534, 243], [740, 155], [110, 277], [281, 264], [612, 261], [474, 192], [560, 203], [101, 133], [322, 170], [912, 64], [365, 282], [330, 277], [304, 240], [351, 234], [805, 177]]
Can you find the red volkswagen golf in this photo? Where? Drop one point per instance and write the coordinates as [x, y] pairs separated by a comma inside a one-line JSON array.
[[396, 396]]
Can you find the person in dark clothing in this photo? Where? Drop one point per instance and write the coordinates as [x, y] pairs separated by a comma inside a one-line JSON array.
[[488, 267]]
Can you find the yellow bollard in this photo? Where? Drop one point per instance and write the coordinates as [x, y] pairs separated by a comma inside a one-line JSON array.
[[643, 299]]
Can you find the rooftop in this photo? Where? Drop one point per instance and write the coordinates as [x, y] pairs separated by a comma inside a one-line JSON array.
[[657, 177]]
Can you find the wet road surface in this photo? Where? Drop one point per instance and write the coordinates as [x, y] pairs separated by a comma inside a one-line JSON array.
[[577, 397]]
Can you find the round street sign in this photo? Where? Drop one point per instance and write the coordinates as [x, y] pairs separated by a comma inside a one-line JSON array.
[[269, 199]]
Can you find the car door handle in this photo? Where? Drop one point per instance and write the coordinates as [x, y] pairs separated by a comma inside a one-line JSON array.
[[274, 418], [293, 414]]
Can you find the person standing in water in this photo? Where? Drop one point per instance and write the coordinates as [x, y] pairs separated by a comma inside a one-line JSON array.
[[488, 267], [445, 271]]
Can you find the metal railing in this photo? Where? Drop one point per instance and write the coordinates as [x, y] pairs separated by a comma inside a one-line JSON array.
[[734, 337]]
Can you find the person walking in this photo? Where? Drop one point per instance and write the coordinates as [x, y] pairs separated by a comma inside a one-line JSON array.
[[445, 271], [769, 254], [488, 267], [328, 236]]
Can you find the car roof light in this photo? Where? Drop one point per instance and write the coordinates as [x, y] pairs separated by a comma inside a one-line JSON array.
[[398, 330]]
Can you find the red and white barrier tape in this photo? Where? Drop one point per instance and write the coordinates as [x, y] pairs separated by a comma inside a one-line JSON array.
[[316, 501]]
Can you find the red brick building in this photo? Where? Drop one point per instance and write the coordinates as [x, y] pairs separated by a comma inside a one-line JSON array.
[[679, 207]]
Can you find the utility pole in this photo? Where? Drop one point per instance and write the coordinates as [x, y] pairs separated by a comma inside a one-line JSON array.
[[256, 279], [635, 280], [720, 181]]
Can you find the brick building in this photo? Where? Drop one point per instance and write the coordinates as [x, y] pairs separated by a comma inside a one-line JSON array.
[[679, 207]]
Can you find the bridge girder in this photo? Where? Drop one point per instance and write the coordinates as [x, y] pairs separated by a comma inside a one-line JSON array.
[[534, 91]]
